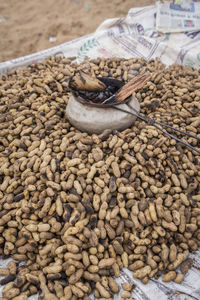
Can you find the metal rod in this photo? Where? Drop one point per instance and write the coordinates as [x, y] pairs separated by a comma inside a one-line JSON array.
[[168, 126], [152, 122]]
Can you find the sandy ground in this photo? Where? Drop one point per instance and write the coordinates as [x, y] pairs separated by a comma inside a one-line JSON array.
[[26, 25]]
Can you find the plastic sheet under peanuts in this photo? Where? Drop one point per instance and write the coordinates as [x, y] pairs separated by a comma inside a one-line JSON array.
[[189, 289], [133, 36]]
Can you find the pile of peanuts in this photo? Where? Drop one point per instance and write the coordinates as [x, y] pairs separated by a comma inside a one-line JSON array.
[[76, 208]]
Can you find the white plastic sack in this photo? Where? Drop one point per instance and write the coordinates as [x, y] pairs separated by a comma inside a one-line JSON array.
[[134, 36]]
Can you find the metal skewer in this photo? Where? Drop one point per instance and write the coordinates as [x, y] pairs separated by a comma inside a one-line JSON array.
[[169, 126], [154, 122]]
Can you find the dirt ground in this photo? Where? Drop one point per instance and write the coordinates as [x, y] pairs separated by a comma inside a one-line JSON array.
[[26, 26]]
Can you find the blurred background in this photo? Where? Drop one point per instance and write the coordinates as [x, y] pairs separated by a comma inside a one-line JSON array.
[[28, 26]]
